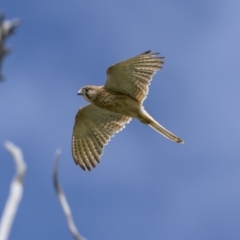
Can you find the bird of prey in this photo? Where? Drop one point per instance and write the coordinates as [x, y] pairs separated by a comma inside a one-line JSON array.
[[113, 105]]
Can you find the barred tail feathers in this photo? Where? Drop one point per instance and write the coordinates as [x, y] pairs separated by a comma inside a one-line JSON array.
[[147, 119]]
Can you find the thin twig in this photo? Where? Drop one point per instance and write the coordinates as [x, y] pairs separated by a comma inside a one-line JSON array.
[[63, 201], [16, 191]]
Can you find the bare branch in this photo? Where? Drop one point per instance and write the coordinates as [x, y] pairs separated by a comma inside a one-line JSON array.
[[7, 28], [63, 200], [16, 191]]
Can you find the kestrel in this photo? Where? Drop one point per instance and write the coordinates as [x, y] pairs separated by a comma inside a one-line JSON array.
[[113, 105]]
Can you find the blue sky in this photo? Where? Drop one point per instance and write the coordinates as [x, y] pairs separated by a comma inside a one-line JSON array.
[[146, 187]]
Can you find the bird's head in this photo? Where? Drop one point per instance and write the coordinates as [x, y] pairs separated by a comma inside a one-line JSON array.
[[89, 93]]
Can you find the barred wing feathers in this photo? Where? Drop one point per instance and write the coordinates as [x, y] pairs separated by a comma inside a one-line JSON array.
[[133, 76], [93, 128]]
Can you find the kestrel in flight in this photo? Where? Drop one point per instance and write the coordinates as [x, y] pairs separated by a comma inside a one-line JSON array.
[[113, 105]]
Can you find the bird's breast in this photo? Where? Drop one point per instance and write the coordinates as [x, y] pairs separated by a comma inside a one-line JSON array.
[[119, 103]]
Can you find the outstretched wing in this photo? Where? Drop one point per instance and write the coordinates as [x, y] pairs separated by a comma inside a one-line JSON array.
[[133, 75], [93, 128]]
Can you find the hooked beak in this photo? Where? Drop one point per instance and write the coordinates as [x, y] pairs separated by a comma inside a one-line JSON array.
[[80, 92]]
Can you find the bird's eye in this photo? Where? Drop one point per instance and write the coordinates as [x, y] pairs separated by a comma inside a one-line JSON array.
[[86, 89]]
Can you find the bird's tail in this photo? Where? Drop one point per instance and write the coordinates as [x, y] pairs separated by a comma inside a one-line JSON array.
[[147, 119]]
